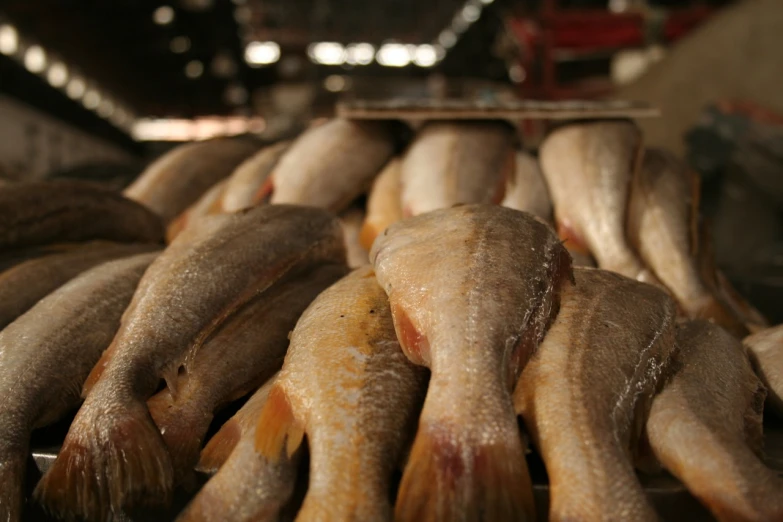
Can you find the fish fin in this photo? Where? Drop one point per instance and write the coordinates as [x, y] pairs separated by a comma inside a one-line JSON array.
[[367, 235], [717, 312], [278, 428], [13, 461], [112, 457], [264, 192], [219, 447], [97, 370], [753, 319], [176, 226], [572, 240], [448, 478]]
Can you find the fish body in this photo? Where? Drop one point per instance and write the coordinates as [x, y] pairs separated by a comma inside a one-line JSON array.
[[526, 189], [113, 455], [347, 385], [384, 205], [351, 220], [44, 212], [472, 290], [331, 164], [456, 162], [585, 394], [208, 203], [250, 183], [705, 427], [177, 179], [588, 168], [766, 350], [47, 353]]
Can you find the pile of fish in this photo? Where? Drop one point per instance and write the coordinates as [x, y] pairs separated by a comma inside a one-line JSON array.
[[384, 352]]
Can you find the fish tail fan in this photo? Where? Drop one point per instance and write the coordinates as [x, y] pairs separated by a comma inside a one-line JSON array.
[[219, 447], [278, 429], [112, 457], [13, 460]]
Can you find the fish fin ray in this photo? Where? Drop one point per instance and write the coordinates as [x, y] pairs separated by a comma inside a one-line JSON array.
[[219, 447], [97, 370], [277, 428]]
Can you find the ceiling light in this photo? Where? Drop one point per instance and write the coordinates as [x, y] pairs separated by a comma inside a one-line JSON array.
[[447, 39], [459, 25], [440, 52], [236, 94], [35, 59], [9, 39], [57, 75], [119, 118], [75, 88], [487, 2], [360, 54], [262, 53], [517, 73], [335, 83], [194, 69], [243, 15], [327, 53], [425, 56], [471, 13], [180, 44], [92, 99], [105, 108], [163, 15], [393, 55]]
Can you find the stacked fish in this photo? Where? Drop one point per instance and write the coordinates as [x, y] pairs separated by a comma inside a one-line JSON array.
[[463, 311]]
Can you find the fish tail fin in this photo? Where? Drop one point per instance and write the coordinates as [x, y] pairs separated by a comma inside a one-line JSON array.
[[13, 460], [219, 447], [451, 476], [278, 428], [113, 456]]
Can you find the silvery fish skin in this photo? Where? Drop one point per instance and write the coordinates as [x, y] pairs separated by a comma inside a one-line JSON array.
[[250, 182], [588, 168], [351, 220], [526, 189], [586, 392], [347, 385], [331, 164], [456, 162], [113, 455], [247, 487], [705, 426], [472, 291], [243, 354], [45, 212], [766, 350], [27, 283], [207, 204], [46, 354], [177, 179], [384, 205], [662, 225]]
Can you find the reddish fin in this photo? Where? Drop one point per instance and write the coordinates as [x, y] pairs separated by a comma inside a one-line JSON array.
[[448, 479], [12, 470], [98, 369], [112, 457], [264, 192], [572, 241], [277, 427], [219, 448], [414, 343], [367, 235]]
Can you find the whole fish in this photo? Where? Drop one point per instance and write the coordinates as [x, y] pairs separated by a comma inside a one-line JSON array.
[[586, 392], [456, 162], [113, 455], [348, 386], [243, 354], [27, 283], [208, 203], [705, 426], [472, 291], [43, 212], [588, 168], [526, 189], [247, 487], [384, 205], [178, 178], [351, 220], [250, 183], [331, 164], [766, 350], [46, 354], [663, 227]]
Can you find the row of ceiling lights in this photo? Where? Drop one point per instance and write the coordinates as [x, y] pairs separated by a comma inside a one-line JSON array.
[[60, 76]]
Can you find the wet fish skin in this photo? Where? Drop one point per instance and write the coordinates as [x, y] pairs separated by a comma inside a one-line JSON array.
[[456, 162], [348, 386], [26, 283], [46, 354], [705, 427], [178, 178], [351, 220], [207, 204], [113, 455], [766, 350], [384, 205], [526, 190], [585, 394], [44, 212], [250, 182], [331, 164], [439, 270], [243, 354]]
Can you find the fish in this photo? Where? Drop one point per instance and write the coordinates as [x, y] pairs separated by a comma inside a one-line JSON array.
[[346, 385], [705, 426], [588, 169], [246, 487], [585, 394], [240, 356], [766, 350], [526, 189], [40, 213], [663, 226], [250, 183], [179, 177], [113, 455], [25, 284], [449, 163], [207, 204], [331, 164], [384, 205], [47, 353], [351, 220], [472, 290]]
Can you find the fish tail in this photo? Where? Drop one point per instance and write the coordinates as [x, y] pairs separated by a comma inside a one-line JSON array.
[[13, 460], [97, 370], [112, 457], [219, 447], [277, 427]]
